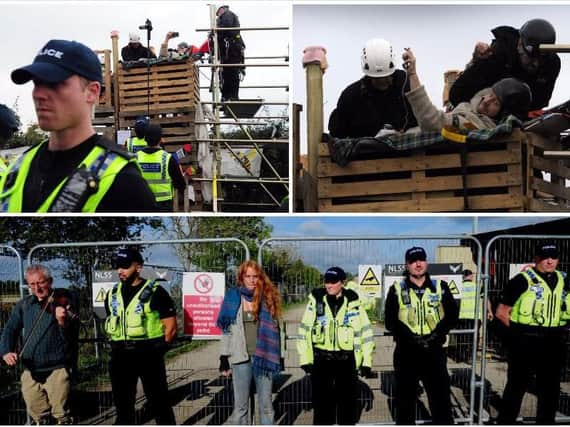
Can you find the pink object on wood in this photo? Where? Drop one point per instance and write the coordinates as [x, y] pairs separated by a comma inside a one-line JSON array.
[[312, 54]]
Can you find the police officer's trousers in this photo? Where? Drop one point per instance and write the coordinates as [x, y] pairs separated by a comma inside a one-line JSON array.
[[334, 385], [126, 367], [544, 355], [413, 363]]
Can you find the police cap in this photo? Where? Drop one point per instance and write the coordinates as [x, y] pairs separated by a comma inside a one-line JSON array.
[[334, 275], [415, 253], [125, 257]]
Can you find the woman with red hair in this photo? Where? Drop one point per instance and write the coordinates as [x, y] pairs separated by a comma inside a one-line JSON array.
[[251, 344]]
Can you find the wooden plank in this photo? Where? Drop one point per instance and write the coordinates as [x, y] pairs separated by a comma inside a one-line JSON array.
[[539, 205], [418, 183], [452, 204], [550, 188], [551, 165], [418, 162], [162, 107]]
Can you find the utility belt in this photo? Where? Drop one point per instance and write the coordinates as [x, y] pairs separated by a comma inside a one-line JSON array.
[[324, 355], [150, 344], [537, 331]]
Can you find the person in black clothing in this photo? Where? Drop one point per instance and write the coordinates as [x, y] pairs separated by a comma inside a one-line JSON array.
[[9, 122], [420, 312], [153, 137], [76, 170], [139, 341], [50, 339], [231, 46], [375, 101], [535, 308], [513, 53], [135, 50]]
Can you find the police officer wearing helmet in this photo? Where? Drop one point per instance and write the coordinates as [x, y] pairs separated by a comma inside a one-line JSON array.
[[513, 53], [337, 341], [420, 311], [75, 170], [160, 169], [138, 142], [140, 324], [376, 100], [535, 307]]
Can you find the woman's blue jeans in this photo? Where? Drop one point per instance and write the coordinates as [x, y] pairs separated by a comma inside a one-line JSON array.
[[242, 374]]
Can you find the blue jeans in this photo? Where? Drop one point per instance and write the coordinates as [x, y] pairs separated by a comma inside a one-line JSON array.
[[242, 374]]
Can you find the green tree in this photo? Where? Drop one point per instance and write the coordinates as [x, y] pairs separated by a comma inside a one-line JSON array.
[[221, 257], [31, 136]]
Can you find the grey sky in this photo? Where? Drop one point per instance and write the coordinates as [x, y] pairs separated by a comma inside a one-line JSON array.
[[27, 26], [441, 36]]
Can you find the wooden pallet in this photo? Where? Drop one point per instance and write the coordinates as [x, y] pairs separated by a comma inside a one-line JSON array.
[[171, 86], [546, 194], [426, 180]]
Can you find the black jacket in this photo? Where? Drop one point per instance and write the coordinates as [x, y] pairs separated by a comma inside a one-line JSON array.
[[504, 62], [363, 111], [130, 53], [402, 334]]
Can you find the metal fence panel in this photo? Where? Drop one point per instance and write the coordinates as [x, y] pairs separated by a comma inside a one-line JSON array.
[[72, 266], [11, 291], [297, 264], [504, 256]]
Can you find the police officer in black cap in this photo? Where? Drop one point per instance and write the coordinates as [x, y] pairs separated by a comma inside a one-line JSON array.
[[337, 342], [535, 308], [75, 170], [420, 311], [140, 324], [513, 53]]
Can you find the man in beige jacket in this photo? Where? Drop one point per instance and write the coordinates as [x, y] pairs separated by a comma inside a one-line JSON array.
[[486, 108]]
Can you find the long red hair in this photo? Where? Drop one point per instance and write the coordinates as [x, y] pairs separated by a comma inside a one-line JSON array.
[[265, 290]]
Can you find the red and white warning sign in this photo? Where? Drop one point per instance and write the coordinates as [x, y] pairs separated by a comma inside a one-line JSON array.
[[203, 294]]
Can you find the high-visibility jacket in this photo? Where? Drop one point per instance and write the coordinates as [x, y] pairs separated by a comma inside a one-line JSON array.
[[137, 321], [135, 144], [102, 165], [155, 170], [349, 330], [539, 305], [420, 315], [467, 304]]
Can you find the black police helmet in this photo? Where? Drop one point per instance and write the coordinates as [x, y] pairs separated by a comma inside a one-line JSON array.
[[9, 122], [515, 97], [536, 32]]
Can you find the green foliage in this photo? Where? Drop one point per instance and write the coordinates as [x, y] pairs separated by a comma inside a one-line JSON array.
[[24, 233], [251, 230], [31, 136]]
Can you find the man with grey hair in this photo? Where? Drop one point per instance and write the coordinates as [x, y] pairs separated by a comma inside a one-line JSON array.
[[50, 327]]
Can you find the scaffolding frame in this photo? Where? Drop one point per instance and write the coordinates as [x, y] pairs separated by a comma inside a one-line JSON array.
[[218, 143]]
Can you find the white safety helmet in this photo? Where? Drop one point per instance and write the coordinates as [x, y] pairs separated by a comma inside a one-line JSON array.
[[378, 58]]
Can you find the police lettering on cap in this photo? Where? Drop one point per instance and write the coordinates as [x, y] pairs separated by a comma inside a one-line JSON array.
[[57, 61], [334, 275], [547, 250], [125, 257], [415, 253]]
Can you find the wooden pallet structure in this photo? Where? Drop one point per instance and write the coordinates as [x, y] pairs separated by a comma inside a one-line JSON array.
[[167, 92], [426, 180], [547, 176]]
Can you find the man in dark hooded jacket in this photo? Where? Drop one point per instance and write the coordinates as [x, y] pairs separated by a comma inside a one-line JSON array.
[[513, 53]]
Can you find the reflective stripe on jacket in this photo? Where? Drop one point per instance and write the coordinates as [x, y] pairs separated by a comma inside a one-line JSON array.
[[138, 321], [467, 303], [539, 305], [155, 170], [135, 144], [102, 163], [349, 330], [420, 315]]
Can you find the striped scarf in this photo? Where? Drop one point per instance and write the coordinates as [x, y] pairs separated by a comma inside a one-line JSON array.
[[267, 354]]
